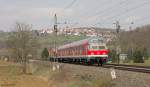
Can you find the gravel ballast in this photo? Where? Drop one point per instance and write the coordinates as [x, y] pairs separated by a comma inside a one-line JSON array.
[[124, 78]]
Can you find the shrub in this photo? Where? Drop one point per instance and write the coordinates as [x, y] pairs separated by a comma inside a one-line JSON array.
[[138, 58], [45, 54]]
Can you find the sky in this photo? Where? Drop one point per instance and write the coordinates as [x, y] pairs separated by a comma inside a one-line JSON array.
[[74, 13]]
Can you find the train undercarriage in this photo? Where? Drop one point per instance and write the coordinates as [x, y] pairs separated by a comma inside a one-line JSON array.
[[82, 60]]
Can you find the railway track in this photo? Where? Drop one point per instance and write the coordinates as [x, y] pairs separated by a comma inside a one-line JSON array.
[[133, 68]]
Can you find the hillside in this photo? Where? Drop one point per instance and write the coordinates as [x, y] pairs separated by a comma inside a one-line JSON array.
[[136, 39]]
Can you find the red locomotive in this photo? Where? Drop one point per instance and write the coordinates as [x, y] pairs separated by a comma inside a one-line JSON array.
[[88, 51]]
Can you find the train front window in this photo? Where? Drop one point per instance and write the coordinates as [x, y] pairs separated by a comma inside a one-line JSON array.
[[94, 47], [101, 47], [97, 47], [95, 41]]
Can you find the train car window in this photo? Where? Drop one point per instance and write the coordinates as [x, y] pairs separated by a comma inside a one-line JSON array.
[[76, 51], [96, 41], [80, 51], [65, 52], [69, 52], [94, 47], [72, 51]]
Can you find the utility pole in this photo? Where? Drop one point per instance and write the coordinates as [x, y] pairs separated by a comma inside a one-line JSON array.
[[117, 43], [130, 27], [117, 27], [55, 24], [55, 34]]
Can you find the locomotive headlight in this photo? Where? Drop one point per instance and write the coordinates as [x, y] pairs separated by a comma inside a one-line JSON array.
[[92, 53], [104, 53]]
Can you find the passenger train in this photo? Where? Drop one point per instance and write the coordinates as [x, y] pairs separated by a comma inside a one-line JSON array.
[[87, 51]]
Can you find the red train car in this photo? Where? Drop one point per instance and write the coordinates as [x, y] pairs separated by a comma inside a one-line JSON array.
[[88, 51]]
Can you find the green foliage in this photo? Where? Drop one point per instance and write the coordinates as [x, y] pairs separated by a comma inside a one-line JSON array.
[[137, 38], [113, 55], [138, 58], [130, 54], [127, 60], [45, 53], [145, 54]]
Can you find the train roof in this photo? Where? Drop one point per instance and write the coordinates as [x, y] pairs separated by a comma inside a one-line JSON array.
[[77, 43]]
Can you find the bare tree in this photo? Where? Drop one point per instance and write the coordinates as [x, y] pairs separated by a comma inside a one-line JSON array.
[[23, 43], [136, 39]]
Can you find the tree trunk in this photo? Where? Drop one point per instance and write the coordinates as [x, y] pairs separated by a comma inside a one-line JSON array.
[[24, 66], [24, 69]]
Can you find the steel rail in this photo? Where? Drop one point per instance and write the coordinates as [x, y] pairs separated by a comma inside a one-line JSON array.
[[133, 68]]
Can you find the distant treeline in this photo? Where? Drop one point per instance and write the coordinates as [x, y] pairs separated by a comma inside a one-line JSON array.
[[135, 39]]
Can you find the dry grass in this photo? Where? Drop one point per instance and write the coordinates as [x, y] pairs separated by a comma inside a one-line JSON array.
[[10, 76], [146, 63], [91, 83], [43, 76], [68, 78]]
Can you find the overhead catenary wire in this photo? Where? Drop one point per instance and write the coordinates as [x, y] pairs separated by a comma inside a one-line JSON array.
[[70, 5], [67, 7], [87, 12], [129, 10], [113, 6], [126, 12], [117, 15], [138, 21], [109, 9]]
